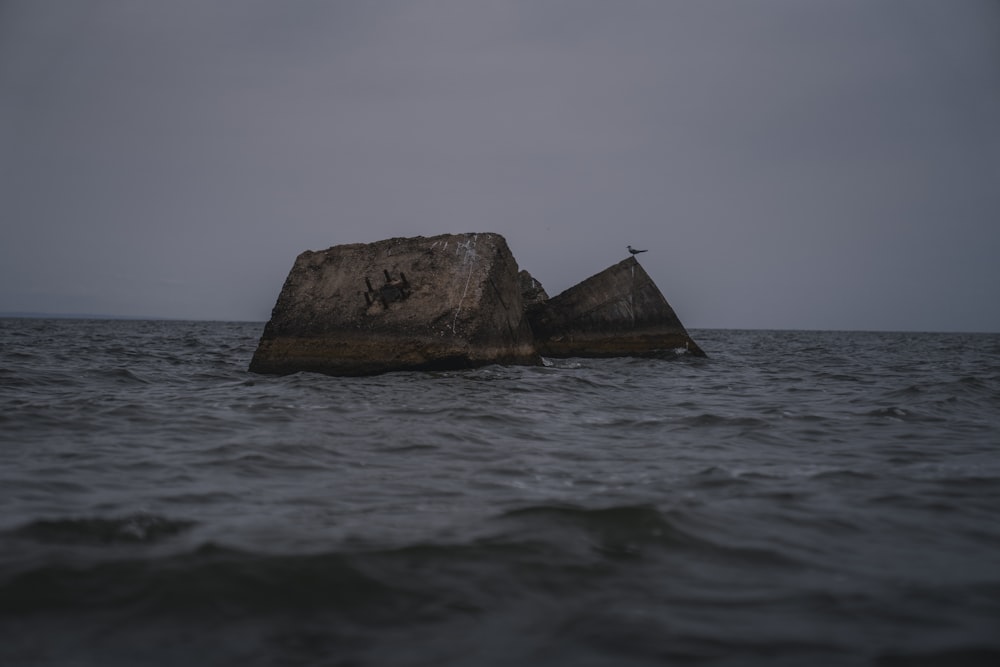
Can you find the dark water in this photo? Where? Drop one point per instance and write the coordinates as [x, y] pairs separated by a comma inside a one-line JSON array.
[[799, 498]]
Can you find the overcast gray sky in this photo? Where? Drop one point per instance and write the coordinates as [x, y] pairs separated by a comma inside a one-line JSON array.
[[789, 163]]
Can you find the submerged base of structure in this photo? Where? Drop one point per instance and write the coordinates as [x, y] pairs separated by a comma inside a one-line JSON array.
[[353, 356]]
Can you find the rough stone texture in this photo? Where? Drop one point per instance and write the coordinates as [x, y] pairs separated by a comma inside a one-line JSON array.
[[618, 312], [442, 302], [532, 291]]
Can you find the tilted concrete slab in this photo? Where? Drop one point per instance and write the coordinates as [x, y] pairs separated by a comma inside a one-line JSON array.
[[618, 312], [441, 302]]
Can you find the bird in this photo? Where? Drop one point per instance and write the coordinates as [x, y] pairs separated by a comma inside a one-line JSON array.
[[634, 251]]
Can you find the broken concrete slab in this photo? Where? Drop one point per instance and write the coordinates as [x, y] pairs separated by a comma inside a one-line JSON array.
[[617, 312], [532, 291], [441, 302]]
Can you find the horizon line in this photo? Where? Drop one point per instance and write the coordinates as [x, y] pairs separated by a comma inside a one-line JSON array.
[[32, 315]]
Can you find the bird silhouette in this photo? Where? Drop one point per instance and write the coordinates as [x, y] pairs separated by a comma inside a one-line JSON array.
[[634, 251]]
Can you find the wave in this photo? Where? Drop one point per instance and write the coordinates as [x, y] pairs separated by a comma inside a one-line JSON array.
[[134, 529], [984, 656], [632, 531], [708, 420], [619, 584], [567, 546], [896, 413]]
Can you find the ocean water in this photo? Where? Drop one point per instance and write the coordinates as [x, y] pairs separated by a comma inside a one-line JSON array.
[[797, 498]]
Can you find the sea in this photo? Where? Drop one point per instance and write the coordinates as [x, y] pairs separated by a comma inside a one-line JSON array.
[[795, 498]]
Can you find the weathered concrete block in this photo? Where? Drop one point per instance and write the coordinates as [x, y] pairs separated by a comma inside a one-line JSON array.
[[442, 302], [618, 312]]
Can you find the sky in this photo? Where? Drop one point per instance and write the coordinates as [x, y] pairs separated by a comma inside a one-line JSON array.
[[789, 164]]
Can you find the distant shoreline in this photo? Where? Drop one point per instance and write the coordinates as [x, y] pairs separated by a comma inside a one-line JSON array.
[[97, 317], [25, 315]]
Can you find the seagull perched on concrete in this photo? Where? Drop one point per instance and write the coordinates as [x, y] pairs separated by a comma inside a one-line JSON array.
[[634, 251]]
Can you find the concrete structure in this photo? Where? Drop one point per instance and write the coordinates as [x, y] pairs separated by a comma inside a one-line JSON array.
[[442, 302], [618, 312]]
